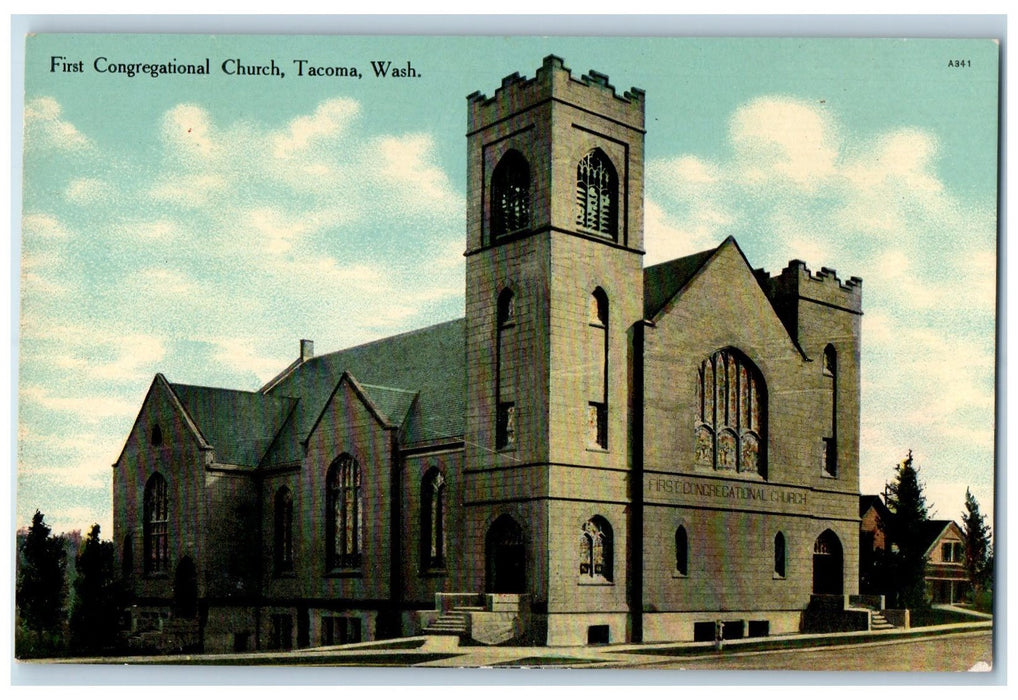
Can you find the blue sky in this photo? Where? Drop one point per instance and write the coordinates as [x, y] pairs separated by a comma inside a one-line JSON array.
[[201, 227]]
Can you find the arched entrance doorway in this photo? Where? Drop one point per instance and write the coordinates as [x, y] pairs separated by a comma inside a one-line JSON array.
[[505, 557], [185, 589], [828, 564]]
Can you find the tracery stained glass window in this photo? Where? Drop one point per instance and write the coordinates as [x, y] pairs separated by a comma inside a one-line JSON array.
[[597, 191], [730, 401], [596, 549]]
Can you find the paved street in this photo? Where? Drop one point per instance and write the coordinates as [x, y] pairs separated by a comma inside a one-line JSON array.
[[958, 647], [956, 652]]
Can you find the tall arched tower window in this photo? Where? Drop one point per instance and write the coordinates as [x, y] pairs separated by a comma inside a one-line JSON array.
[[505, 412], [830, 455], [731, 412], [597, 370], [596, 550], [283, 531], [597, 194], [433, 520], [343, 515], [157, 526], [510, 195]]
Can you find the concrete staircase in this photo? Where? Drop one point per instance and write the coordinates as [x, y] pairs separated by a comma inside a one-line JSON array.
[[455, 622], [878, 622]]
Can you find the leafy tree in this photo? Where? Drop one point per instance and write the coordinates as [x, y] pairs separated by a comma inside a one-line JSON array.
[[906, 531], [977, 544], [98, 597], [41, 585]]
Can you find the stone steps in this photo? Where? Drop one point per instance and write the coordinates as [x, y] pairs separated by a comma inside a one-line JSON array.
[[452, 622], [879, 622]]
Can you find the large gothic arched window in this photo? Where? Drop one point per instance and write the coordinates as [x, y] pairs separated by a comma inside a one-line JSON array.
[[157, 526], [343, 514], [597, 194], [731, 413], [510, 195]]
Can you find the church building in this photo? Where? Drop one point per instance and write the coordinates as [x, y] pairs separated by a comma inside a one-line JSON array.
[[597, 452]]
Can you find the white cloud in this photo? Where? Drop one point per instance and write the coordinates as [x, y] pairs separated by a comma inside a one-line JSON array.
[[161, 229], [783, 139], [90, 355], [88, 191], [330, 119], [239, 355], [42, 225], [406, 164], [90, 408], [44, 126], [666, 238], [187, 129], [188, 191], [160, 284], [904, 157]]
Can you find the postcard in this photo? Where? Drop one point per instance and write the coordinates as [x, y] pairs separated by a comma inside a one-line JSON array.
[[475, 351]]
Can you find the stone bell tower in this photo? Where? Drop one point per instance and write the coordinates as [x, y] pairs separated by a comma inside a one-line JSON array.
[[554, 284]]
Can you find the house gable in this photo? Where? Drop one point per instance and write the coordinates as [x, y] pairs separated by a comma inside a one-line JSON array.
[[161, 407]]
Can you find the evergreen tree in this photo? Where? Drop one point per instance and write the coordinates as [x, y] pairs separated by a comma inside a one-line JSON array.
[[41, 586], [906, 531], [977, 544], [96, 609]]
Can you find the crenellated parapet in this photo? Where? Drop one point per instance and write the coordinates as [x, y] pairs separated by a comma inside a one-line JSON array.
[[797, 282], [554, 81]]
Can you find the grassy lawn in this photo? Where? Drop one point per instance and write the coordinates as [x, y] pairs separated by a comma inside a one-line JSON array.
[[928, 618]]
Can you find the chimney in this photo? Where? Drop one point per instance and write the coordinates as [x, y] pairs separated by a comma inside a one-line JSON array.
[[307, 350]]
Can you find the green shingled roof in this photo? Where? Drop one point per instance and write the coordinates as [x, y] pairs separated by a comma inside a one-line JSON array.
[[428, 363], [662, 282], [240, 425], [416, 380]]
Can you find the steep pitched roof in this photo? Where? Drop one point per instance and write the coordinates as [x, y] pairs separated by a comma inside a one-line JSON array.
[[662, 282], [240, 426], [429, 363], [933, 530], [867, 501]]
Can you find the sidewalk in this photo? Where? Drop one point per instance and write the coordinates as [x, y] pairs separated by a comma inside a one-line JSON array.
[[446, 651]]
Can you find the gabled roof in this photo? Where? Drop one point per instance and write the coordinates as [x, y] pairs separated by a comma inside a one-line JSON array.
[[933, 530], [662, 282], [867, 501], [429, 363], [159, 383], [240, 426]]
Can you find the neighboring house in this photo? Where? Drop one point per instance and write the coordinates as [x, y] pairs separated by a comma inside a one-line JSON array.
[[947, 579], [596, 452], [873, 519]]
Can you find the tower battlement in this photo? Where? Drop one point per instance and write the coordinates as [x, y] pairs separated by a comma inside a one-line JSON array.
[[796, 281], [554, 81]]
